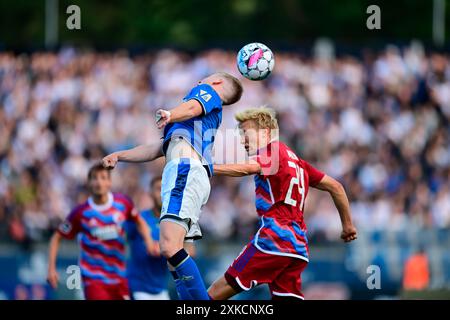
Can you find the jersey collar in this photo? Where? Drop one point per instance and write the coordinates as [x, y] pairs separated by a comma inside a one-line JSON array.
[[101, 207], [266, 146]]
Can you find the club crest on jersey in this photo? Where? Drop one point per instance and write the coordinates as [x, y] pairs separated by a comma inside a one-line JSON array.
[[65, 227], [92, 223]]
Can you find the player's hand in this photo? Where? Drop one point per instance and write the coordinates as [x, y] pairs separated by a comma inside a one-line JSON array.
[[53, 278], [110, 161], [153, 249], [162, 118], [349, 233]]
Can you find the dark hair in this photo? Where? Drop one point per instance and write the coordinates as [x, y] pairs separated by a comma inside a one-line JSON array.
[[154, 180], [97, 167], [236, 88]]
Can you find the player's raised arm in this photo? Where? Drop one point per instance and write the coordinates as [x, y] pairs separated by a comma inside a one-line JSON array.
[[142, 153], [340, 200], [185, 111], [211, 93], [237, 170]]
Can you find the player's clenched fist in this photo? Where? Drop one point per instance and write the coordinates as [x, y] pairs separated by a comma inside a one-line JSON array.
[[53, 278], [162, 118], [110, 161], [349, 233]]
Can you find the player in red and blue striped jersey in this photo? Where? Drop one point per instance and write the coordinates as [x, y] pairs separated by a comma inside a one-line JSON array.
[[280, 199], [99, 223], [278, 253]]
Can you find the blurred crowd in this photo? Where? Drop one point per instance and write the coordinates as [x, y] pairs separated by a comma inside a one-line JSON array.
[[379, 123]]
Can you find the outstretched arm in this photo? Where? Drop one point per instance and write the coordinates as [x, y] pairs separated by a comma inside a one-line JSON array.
[[340, 200], [140, 153], [185, 111], [52, 274], [237, 170], [144, 229]]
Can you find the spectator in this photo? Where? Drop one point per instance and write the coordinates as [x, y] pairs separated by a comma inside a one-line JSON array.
[[379, 125], [416, 274]]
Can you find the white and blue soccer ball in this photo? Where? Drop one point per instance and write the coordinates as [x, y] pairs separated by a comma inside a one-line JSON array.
[[255, 61]]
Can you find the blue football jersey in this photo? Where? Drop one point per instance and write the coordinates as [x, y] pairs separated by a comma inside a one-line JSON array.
[[144, 272], [199, 131]]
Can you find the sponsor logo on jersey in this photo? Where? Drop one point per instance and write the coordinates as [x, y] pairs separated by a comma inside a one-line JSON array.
[[106, 233], [205, 95]]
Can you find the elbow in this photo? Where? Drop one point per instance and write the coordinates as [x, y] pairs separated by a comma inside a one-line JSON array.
[[337, 188], [334, 187], [55, 239], [249, 170], [56, 236], [141, 224], [193, 111], [254, 169]]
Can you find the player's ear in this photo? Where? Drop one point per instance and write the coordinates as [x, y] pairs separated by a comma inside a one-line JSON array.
[[217, 82], [268, 133]]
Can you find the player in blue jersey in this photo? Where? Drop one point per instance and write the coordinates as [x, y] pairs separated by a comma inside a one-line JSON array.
[[147, 275], [189, 132]]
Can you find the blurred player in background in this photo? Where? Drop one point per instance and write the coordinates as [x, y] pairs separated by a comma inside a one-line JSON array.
[[148, 275], [278, 253], [99, 221], [189, 131]]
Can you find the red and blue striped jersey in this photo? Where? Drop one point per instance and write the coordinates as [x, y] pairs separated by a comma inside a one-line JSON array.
[[281, 190], [101, 236]]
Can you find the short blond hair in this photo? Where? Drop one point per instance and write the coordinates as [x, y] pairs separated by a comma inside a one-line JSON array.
[[264, 117], [233, 88]]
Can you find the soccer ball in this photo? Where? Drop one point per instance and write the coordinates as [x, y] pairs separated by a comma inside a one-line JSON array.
[[255, 61]]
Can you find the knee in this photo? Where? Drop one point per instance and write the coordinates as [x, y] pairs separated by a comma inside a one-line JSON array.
[[171, 238], [169, 247], [221, 290], [190, 249], [213, 291]]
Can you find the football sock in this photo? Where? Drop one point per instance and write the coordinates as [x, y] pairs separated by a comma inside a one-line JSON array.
[[189, 275], [183, 293]]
